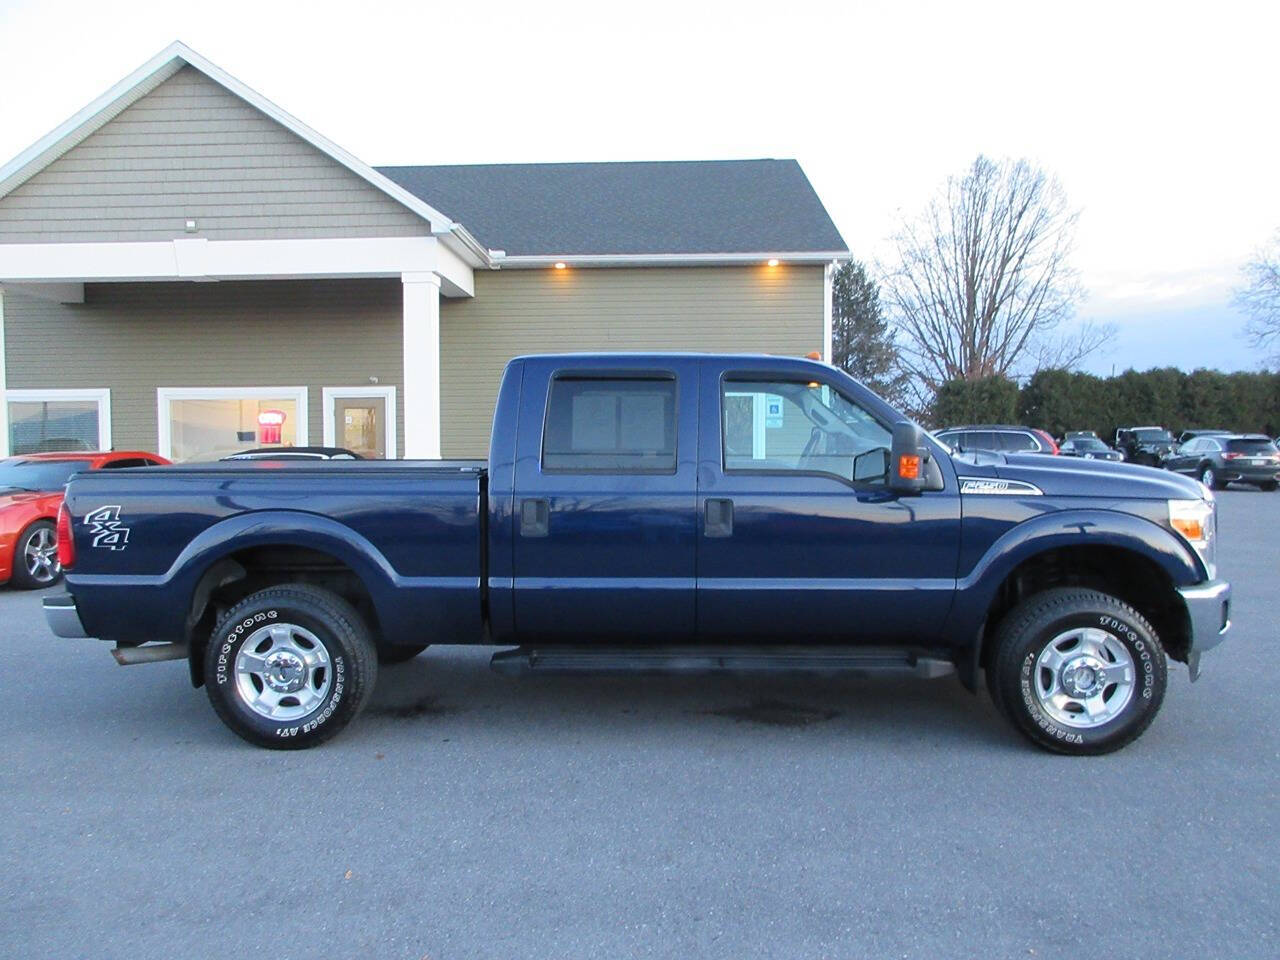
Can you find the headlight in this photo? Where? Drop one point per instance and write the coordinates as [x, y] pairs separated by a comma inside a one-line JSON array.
[[1196, 520]]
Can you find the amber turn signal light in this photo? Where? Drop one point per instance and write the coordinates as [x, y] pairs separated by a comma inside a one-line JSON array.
[[909, 466]]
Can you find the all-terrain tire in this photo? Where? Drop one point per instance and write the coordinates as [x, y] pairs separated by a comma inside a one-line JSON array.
[[288, 623], [1018, 675]]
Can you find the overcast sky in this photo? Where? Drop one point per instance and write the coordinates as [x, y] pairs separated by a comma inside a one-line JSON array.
[[1159, 119]]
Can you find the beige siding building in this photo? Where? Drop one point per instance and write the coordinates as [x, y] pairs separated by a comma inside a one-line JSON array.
[[186, 268]]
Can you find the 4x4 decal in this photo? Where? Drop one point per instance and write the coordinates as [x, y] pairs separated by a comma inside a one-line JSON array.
[[107, 529]]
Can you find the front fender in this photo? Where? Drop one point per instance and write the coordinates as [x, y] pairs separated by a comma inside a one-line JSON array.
[[976, 591]]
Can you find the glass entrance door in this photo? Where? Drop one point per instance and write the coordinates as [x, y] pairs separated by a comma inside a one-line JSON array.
[[359, 424]]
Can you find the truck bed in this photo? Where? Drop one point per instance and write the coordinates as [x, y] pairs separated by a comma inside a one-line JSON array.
[[411, 530]]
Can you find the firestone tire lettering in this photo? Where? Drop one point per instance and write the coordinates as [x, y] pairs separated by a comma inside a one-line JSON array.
[[338, 627]]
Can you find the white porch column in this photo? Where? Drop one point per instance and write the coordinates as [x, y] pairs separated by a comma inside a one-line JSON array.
[[4, 403], [421, 366]]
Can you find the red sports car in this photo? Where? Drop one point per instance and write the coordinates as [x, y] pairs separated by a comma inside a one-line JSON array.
[[30, 494]]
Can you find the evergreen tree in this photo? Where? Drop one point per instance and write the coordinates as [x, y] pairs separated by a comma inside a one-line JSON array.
[[861, 341]]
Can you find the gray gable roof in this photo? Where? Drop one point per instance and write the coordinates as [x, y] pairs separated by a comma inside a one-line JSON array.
[[668, 207]]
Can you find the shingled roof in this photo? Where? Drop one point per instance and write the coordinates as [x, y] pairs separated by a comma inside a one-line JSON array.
[[642, 208]]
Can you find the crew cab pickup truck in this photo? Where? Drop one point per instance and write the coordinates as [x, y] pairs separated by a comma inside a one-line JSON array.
[[656, 513]]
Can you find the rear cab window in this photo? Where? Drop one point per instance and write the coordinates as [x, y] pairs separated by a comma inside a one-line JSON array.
[[622, 424]]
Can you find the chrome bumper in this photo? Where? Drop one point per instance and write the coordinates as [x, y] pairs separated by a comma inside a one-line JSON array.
[[62, 616], [1209, 612]]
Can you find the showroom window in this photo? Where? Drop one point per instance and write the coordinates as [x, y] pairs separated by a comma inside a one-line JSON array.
[[202, 424], [43, 421]]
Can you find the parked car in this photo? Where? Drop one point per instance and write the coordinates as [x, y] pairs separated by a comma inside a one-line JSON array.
[[998, 438], [1145, 445], [660, 513], [30, 494], [1090, 448], [1080, 434], [1186, 435], [295, 453], [1251, 458]]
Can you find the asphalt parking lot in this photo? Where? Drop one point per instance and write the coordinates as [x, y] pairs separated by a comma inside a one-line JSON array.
[[471, 816]]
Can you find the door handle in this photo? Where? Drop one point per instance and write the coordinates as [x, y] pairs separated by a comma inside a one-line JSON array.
[[535, 518], [719, 518]]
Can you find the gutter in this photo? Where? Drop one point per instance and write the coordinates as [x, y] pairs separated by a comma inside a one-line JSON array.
[[502, 260]]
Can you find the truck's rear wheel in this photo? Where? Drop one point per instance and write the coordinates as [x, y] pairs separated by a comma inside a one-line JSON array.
[[1078, 671], [290, 666]]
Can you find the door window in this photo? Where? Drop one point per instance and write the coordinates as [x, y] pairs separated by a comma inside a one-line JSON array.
[[1015, 441], [803, 427], [361, 425], [598, 425]]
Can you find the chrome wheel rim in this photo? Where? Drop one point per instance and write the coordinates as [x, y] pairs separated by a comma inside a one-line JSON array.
[[1207, 477], [283, 672], [1084, 677], [41, 556]]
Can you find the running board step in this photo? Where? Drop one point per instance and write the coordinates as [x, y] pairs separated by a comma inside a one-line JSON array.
[[854, 660]]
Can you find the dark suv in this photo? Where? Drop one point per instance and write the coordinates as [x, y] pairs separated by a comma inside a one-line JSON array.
[[1000, 438], [1234, 458], [1145, 445]]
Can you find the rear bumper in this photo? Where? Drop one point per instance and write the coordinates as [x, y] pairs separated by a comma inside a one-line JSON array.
[[1262, 474], [62, 616], [1209, 613]]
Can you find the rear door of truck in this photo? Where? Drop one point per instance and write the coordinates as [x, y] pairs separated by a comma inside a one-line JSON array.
[[605, 519]]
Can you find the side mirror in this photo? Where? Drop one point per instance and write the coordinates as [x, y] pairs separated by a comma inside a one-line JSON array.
[[911, 465]]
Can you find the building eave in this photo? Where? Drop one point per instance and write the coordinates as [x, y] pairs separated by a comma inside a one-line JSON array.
[[534, 261], [163, 66]]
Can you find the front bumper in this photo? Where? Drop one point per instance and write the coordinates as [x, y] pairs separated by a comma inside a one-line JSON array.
[[62, 616], [1209, 612]]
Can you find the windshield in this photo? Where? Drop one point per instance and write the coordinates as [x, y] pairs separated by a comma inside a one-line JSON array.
[[38, 474], [1257, 447], [1153, 434], [1088, 443]]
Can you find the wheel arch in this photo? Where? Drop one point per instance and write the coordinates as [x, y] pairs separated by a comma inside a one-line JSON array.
[[1123, 555], [243, 555]]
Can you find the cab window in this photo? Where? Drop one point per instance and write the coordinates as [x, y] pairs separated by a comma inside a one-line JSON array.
[[598, 425], [771, 425]]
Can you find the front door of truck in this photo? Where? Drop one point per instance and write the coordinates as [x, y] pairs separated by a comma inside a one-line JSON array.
[[800, 538], [605, 523]]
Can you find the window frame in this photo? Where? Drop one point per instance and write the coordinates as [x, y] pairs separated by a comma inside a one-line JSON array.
[[165, 396], [594, 375], [99, 395], [766, 376]]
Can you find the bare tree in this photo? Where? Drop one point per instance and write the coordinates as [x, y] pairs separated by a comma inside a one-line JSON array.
[[1260, 299], [983, 280]]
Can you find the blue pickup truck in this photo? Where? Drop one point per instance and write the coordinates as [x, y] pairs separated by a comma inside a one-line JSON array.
[[659, 513]]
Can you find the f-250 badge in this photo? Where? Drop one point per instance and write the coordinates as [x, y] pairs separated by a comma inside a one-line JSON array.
[[107, 529]]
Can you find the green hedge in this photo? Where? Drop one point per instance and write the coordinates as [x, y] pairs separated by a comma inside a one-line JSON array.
[[1059, 400]]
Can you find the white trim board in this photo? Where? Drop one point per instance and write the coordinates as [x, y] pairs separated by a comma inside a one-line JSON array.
[[99, 395], [798, 257], [198, 258], [166, 394]]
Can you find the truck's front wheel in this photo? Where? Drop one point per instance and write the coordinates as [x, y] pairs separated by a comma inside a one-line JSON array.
[[290, 666], [1078, 671]]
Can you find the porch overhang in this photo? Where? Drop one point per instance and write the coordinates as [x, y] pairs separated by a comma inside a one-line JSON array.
[[62, 266]]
